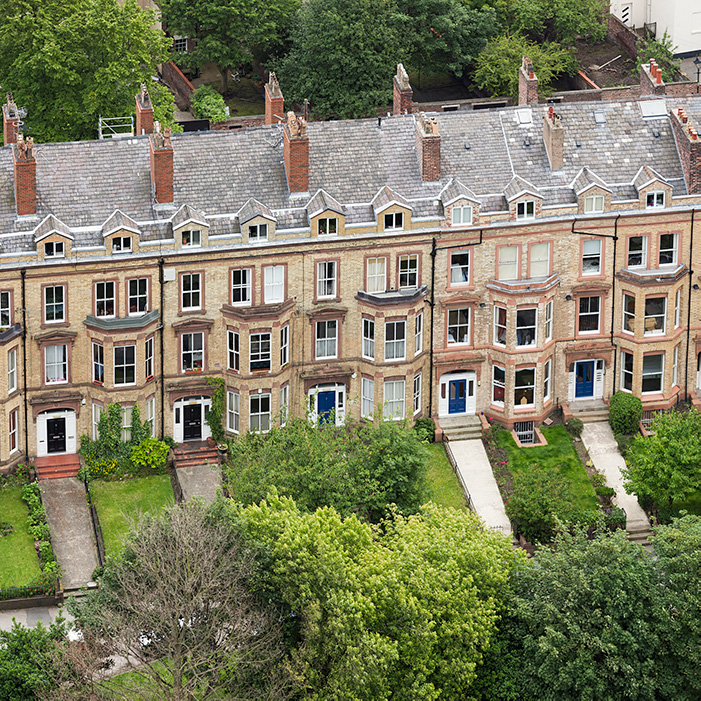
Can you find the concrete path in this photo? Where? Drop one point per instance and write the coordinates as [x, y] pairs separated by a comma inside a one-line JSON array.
[[200, 481], [71, 530], [476, 476], [603, 450], [31, 616]]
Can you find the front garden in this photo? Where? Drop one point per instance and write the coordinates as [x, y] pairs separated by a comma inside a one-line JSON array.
[[443, 485], [19, 565]]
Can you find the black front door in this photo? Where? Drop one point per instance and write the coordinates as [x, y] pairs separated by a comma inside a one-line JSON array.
[[56, 435], [192, 422]]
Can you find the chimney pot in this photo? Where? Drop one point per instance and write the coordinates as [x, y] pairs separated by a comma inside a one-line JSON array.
[[10, 121], [295, 146], [25, 168], [428, 148], [527, 83], [161, 151], [144, 111], [274, 101], [402, 91]]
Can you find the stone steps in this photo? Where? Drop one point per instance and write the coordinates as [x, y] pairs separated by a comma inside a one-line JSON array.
[[463, 428], [57, 466], [588, 417]]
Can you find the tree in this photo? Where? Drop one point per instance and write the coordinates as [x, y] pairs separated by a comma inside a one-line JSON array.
[[343, 56], [666, 466], [357, 468], [446, 33], [498, 64], [662, 50], [70, 61], [586, 618], [178, 606], [228, 32], [403, 611]]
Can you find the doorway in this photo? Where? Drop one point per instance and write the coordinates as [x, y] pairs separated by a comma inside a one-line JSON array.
[[584, 379], [458, 394], [328, 403], [189, 422], [56, 432]]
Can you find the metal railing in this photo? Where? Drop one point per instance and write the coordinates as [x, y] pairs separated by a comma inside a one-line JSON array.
[[525, 430]]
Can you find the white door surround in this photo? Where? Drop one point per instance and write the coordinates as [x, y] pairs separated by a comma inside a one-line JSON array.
[[190, 404], [322, 393], [56, 417], [457, 394]]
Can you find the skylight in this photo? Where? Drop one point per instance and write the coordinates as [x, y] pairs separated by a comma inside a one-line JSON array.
[[600, 117], [525, 116], [653, 109]]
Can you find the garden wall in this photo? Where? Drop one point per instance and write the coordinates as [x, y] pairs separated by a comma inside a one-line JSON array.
[[173, 77]]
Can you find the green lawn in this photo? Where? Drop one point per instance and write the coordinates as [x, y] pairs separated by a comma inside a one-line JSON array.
[[19, 564], [558, 453], [443, 484], [119, 502]]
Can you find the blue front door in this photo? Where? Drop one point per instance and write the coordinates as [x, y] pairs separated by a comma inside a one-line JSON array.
[[457, 397], [584, 379], [326, 403]]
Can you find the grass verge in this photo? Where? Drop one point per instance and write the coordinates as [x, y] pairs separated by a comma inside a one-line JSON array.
[[443, 483], [19, 564], [119, 503]]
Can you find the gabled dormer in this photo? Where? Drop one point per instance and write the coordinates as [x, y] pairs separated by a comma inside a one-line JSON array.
[[593, 194], [53, 239], [257, 221], [190, 228], [121, 234], [653, 190], [392, 210], [326, 215], [524, 199], [460, 204]]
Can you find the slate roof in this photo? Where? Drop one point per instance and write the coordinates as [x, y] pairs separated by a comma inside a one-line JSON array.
[[455, 190], [386, 197], [119, 221], [321, 202], [187, 214], [253, 208], [518, 186], [219, 172], [51, 225], [586, 179], [645, 176]]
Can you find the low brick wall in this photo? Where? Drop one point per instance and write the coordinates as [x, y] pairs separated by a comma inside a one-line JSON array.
[[625, 37], [173, 77]]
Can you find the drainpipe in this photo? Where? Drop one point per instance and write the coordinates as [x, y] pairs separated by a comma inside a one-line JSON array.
[[161, 262], [432, 305], [24, 363], [613, 300], [688, 306]]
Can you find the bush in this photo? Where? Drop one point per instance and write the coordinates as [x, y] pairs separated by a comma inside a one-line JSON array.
[[150, 453], [598, 480], [662, 50], [606, 492], [625, 413], [623, 443], [585, 518], [207, 103], [574, 426], [425, 430], [616, 519]]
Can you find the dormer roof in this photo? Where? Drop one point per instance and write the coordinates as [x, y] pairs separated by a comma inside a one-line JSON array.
[[455, 190], [51, 225], [518, 186], [645, 176], [118, 221], [322, 202], [253, 208], [586, 179], [188, 215], [386, 197]]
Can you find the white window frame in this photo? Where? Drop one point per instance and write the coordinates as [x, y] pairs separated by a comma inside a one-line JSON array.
[[633, 254], [123, 364], [525, 209], [418, 333], [192, 351], [462, 215], [233, 350], [628, 314], [54, 249], [328, 226], [326, 339], [500, 338], [657, 373], [326, 279], [96, 414], [593, 204], [13, 430], [394, 399], [677, 307], [654, 199], [194, 294], [105, 295], [233, 411], [258, 232], [274, 284], [284, 345], [520, 329], [408, 271], [539, 262], [54, 305], [672, 252], [367, 397], [98, 362], [498, 384], [627, 373], [260, 351], [507, 268], [151, 415], [284, 404], [395, 340], [149, 370], [458, 327], [549, 321], [591, 257], [368, 349], [60, 366], [547, 380], [258, 419], [589, 314], [180, 45], [417, 393], [11, 370], [662, 316], [524, 387], [6, 310], [394, 221], [126, 422], [459, 269], [376, 273], [191, 238], [121, 244], [243, 287], [139, 295], [675, 365]]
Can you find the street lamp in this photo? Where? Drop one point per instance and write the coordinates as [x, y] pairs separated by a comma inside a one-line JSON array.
[[697, 63]]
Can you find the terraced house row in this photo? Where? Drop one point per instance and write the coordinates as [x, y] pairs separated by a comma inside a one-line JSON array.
[[506, 261]]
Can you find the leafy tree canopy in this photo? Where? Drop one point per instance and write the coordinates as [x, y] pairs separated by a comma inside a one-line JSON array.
[[666, 466], [70, 61], [356, 468], [403, 612]]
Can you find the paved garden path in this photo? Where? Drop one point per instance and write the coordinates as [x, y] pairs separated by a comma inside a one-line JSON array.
[[71, 530], [603, 450], [200, 481], [475, 473]]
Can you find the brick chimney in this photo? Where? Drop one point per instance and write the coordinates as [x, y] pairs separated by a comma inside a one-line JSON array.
[[296, 153], [689, 145], [274, 101], [428, 148], [10, 121], [403, 93], [527, 83], [651, 79], [161, 165], [25, 176], [144, 112], [554, 138]]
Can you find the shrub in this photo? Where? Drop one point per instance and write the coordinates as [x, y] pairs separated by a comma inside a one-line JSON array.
[[425, 430], [662, 50], [598, 480], [625, 413], [574, 426], [540, 498], [150, 453], [616, 519], [606, 492], [207, 103], [623, 443], [586, 518]]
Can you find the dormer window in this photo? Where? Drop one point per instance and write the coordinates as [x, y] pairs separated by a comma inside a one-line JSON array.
[[53, 249], [462, 215], [594, 204], [192, 237], [121, 244], [655, 199], [328, 226], [258, 232], [525, 210], [394, 220]]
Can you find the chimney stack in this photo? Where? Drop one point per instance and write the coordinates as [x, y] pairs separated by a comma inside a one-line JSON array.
[[403, 93], [554, 138], [651, 79], [527, 83], [296, 153], [144, 112], [428, 148], [161, 165], [274, 101], [10, 121], [689, 146], [25, 176]]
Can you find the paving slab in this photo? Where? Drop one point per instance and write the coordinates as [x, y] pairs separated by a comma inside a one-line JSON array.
[[71, 530], [476, 474], [200, 481], [599, 441]]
